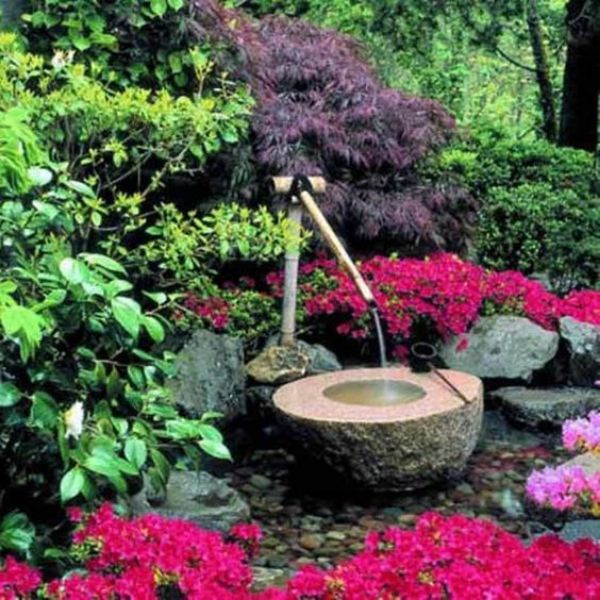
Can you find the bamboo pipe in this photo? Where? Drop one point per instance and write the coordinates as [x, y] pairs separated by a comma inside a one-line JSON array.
[[283, 185], [336, 246], [290, 285]]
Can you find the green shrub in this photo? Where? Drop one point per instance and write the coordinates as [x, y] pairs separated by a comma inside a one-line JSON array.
[[540, 206], [84, 410], [537, 228], [133, 139], [140, 42]]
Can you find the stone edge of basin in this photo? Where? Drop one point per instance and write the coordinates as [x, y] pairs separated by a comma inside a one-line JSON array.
[[304, 399]]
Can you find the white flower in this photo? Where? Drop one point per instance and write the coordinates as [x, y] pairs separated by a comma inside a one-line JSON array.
[[74, 420], [62, 59]]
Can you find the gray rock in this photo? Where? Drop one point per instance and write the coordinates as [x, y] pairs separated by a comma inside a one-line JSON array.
[[583, 341], [211, 375], [197, 497], [499, 433], [504, 348], [278, 365], [321, 359], [539, 407], [581, 529], [260, 398], [260, 482], [265, 578], [588, 461]]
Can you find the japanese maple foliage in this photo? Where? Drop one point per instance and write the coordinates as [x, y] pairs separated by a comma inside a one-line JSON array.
[[321, 110]]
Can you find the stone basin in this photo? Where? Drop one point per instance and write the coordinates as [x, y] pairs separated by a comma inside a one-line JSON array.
[[384, 429]]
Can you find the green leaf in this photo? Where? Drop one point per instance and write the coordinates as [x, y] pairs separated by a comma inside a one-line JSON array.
[[9, 394], [164, 411], [154, 329], [25, 325], [208, 432], [128, 313], [158, 297], [136, 452], [159, 7], [176, 4], [48, 210], [211, 415], [40, 176], [161, 463], [117, 286], [73, 271], [81, 188], [103, 464], [54, 298], [16, 532], [44, 410], [118, 482], [72, 484], [104, 261], [215, 449], [136, 376]]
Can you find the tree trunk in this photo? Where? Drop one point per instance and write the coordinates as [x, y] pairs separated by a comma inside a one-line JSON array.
[[542, 69], [581, 85], [11, 11]]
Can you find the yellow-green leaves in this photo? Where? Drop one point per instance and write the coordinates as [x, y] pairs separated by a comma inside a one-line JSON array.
[[159, 7], [24, 326]]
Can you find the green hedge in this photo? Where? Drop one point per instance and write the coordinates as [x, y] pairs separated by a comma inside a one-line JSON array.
[[540, 206]]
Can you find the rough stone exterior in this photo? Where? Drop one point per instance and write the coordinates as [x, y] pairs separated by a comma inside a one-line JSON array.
[[277, 365], [503, 348], [396, 447], [197, 497], [546, 407], [210, 375], [393, 456], [321, 359], [583, 341]]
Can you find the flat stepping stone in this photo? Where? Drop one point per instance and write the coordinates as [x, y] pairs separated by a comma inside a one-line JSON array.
[[536, 408]]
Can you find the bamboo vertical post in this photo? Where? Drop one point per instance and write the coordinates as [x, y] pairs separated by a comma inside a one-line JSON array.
[[290, 285]]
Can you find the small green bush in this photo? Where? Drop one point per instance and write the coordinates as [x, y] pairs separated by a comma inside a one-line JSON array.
[[139, 42], [540, 206], [124, 140], [537, 228]]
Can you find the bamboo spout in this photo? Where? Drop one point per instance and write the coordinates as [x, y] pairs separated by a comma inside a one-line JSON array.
[[301, 191], [333, 241]]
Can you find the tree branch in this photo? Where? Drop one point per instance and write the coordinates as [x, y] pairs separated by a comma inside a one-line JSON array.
[[515, 62]]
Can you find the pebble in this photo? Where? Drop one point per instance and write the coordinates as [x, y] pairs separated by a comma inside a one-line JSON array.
[[310, 541], [407, 519], [260, 482]]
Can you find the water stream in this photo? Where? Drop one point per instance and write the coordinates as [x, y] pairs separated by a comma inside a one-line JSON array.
[[380, 338]]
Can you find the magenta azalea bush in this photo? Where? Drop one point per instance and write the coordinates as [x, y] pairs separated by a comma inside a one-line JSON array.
[[442, 296], [321, 110], [582, 435], [565, 488], [570, 487], [153, 558]]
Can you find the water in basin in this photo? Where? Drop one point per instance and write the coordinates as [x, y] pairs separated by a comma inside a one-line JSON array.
[[375, 392]]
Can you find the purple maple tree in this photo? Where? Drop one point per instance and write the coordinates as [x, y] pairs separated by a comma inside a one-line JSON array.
[[321, 110]]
